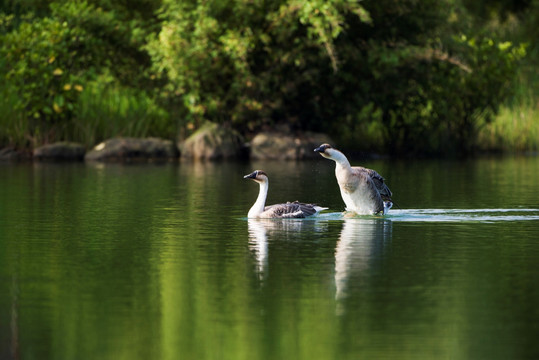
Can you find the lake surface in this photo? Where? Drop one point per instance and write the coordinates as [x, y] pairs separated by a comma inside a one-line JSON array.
[[159, 262]]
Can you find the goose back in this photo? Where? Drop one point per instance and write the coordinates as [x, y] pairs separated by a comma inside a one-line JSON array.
[[290, 210]]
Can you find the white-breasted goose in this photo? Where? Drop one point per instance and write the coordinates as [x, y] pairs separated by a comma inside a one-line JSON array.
[[287, 210], [362, 190]]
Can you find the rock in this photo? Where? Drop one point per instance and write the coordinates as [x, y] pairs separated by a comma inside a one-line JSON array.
[[11, 154], [133, 149], [286, 146], [60, 151], [212, 141], [8, 154]]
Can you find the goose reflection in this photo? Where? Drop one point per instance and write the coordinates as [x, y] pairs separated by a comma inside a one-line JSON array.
[[263, 231], [361, 245], [258, 244]]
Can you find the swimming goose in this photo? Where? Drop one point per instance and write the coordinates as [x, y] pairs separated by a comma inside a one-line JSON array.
[[363, 190], [289, 210]]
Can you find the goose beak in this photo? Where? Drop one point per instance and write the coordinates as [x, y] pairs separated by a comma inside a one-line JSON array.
[[321, 148], [250, 176]]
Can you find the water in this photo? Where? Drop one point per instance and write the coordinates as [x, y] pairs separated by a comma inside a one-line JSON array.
[[159, 262]]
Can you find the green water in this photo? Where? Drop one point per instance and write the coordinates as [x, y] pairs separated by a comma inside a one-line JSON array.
[[159, 262]]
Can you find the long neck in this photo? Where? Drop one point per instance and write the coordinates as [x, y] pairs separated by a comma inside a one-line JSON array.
[[340, 160], [260, 202]]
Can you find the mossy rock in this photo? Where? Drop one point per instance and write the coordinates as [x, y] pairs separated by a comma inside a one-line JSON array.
[[286, 146], [60, 151], [133, 149], [10, 154], [211, 142]]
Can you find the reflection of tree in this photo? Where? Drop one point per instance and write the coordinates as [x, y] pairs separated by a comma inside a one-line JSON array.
[[361, 242]]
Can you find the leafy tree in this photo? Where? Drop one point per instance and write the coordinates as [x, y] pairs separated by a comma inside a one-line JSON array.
[[245, 62]]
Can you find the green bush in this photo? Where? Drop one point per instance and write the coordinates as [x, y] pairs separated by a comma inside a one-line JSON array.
[[49, 60], [441, 102], [37, 64]]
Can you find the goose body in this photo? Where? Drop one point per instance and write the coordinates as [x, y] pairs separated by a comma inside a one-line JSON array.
[[362, 190], [286, 210]]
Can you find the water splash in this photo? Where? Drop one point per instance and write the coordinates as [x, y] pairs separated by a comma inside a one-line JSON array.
[[446, 215]]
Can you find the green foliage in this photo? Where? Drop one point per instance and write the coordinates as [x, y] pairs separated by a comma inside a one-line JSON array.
[[387, 75], [429, 94], [49, 60], [240, 61], [377, 77], [37, 64], [12, 119], [438, 106], [477, 94]]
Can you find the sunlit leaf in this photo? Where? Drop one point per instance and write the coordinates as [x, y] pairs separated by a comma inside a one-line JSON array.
[[57, 108]]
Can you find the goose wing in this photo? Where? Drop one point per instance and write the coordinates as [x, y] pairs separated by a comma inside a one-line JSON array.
[[378, 181], [290, 210]]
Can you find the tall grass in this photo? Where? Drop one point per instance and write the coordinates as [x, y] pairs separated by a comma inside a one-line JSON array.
[[103, 110], [515, 129], [106, 110], [516, 126]]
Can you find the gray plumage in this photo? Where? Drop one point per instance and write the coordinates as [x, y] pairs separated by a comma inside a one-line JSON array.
[[290, 210]]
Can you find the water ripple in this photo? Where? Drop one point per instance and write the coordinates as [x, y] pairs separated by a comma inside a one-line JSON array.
[[448, 215]]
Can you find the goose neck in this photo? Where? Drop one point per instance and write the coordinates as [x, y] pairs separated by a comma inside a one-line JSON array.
[[341, 160], [260, 202]]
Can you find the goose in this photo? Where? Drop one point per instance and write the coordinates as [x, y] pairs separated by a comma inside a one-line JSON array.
[[288, 210], [362, 190]]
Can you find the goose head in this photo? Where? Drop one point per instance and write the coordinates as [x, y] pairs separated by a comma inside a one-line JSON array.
[[326, 151], [258, 176]]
